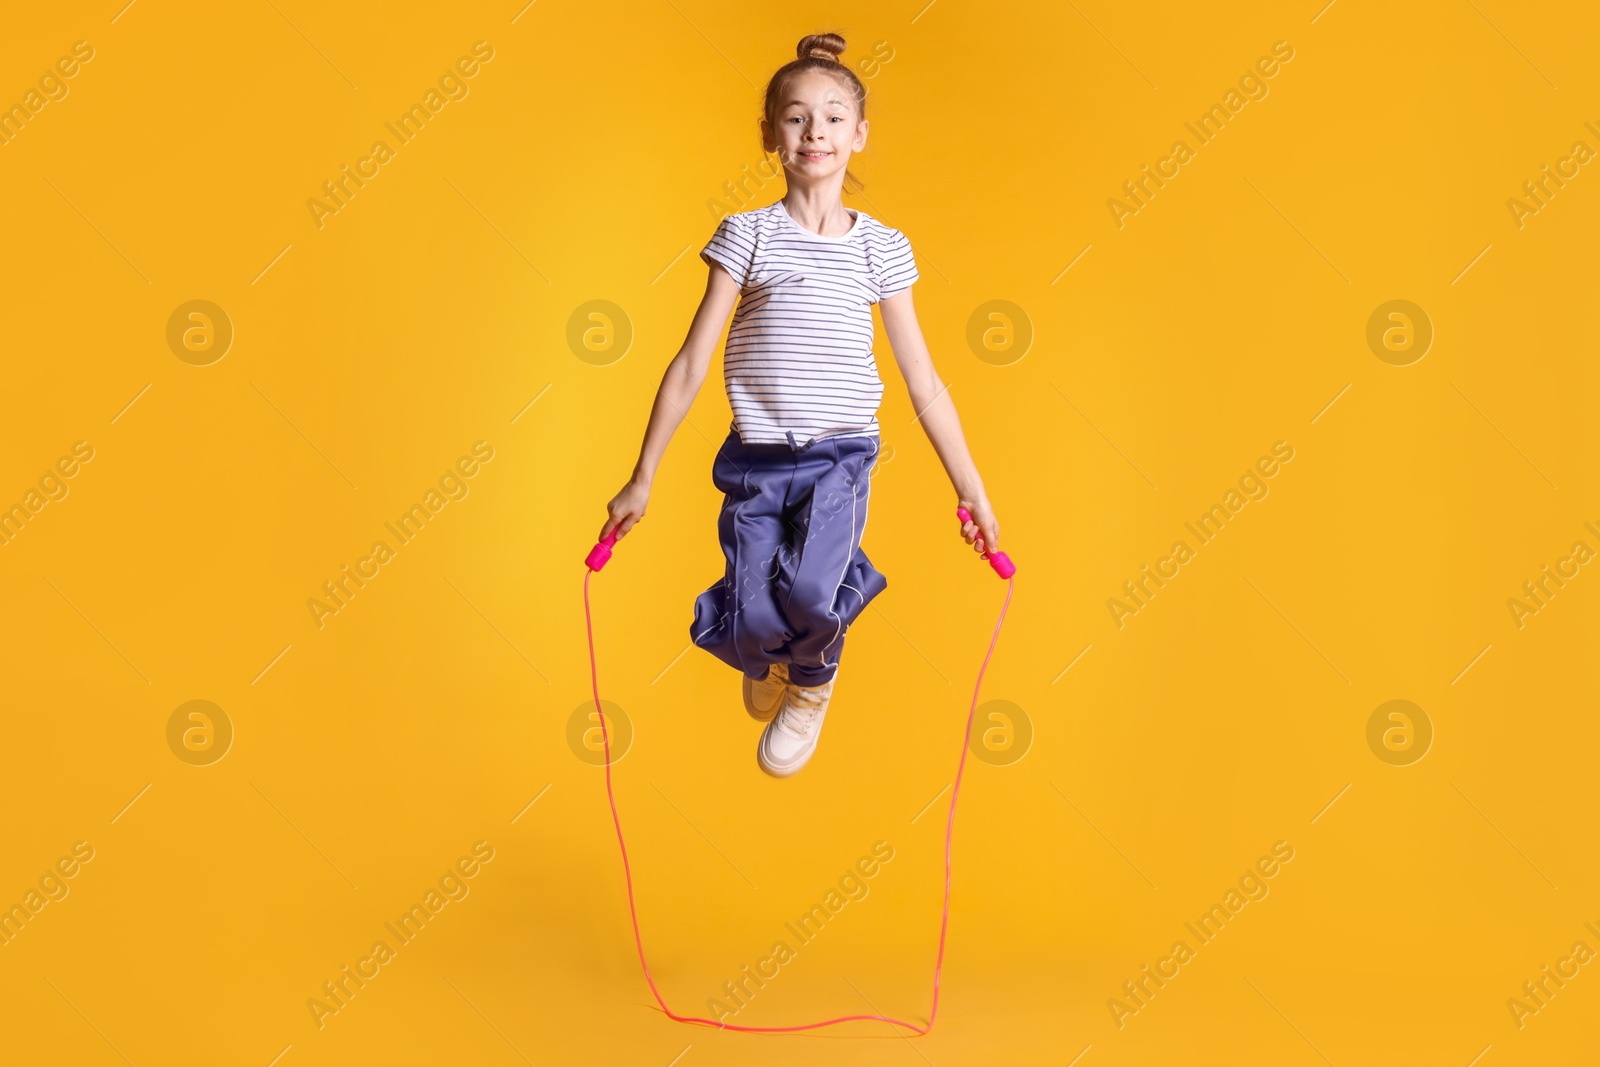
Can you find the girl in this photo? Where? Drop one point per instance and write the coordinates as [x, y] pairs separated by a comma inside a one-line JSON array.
[[804, 388]]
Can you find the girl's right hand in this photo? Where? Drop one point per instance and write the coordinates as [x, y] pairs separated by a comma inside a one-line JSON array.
[[626, 508]]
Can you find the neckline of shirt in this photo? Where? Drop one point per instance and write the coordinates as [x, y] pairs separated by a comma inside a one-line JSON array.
[[855, 224]]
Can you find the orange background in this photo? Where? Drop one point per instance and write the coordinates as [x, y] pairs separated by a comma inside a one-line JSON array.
[[368, 354]]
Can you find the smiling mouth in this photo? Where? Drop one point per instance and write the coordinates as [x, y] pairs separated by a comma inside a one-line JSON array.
[[814, 155]]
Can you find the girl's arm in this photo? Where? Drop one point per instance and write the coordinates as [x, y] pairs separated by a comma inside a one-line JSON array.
[[680, 384], [937, 412]]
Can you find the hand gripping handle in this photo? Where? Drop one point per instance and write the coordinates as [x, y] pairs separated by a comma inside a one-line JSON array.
[[601, 552], [998, 560]]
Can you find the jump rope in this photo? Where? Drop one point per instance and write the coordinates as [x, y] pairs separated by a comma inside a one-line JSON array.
[[597, 558]]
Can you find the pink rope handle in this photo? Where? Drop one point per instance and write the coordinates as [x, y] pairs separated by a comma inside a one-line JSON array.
[[950, 822]]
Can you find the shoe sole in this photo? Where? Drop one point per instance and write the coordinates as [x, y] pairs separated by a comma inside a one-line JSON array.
[[777, 771]]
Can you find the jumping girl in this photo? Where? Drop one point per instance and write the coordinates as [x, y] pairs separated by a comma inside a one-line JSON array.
[[803, 384]]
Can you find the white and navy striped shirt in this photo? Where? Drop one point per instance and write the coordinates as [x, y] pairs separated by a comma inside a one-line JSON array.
[[799, 357]]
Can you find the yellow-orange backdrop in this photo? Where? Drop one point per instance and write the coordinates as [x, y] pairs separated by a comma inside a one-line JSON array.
[[233, 456]]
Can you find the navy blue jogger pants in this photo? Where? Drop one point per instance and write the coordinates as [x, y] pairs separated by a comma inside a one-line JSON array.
[[790, 526]]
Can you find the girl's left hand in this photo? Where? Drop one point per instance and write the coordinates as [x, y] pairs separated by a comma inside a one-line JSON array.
[[983, 532]]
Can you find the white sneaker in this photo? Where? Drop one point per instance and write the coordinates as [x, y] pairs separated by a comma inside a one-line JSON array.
[[790, 738], [762, 699]]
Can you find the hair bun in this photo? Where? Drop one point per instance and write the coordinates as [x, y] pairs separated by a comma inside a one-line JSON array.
[[824, 46]]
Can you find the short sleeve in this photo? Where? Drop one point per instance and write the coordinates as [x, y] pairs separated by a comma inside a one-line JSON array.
[[732, 245], [899, 268]]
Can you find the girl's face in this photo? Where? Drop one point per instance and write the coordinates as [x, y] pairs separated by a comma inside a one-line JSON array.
[[817, 129]]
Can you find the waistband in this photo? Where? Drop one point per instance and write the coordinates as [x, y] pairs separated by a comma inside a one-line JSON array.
[[794, 444]]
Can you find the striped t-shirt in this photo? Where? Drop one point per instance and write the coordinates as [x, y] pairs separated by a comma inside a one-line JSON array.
[[799, 355]]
